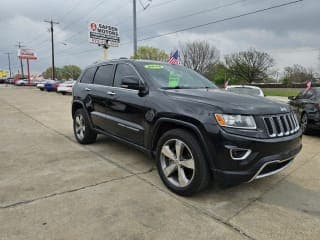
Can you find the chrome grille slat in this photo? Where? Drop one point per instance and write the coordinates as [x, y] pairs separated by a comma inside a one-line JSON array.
[[290, 123], [281, 125], [281, 133], [274, 131], [287, 125]]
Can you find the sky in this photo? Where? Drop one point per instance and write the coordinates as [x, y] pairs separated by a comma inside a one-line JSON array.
[[290, 34]]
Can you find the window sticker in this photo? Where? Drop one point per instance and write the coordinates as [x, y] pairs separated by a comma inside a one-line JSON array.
[[173, 79], [153, 66]]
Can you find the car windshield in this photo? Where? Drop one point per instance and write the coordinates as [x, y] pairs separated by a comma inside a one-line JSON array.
[[169, 76], [245, 90]]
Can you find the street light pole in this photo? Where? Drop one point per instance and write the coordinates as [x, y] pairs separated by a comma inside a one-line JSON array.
[[9, 62], [20, 46], [135, 45]]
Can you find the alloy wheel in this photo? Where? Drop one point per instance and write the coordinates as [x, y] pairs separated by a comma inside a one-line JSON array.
[[304, 122], [80, 126], [177, 162]]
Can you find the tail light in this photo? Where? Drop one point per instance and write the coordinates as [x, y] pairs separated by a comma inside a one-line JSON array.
[[318, 105]]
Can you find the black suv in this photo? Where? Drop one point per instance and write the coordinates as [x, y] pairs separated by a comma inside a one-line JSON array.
[[194, 130], [307, 108]]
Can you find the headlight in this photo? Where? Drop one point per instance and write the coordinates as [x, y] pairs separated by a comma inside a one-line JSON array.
[[236, 121]]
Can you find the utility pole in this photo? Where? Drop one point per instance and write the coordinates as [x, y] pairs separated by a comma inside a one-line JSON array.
[[52, 46], [135, 44], [20, 46], [144, 6], [9, 62]]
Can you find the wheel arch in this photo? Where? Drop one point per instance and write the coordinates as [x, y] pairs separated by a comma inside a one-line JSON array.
[[165, 124], [76, 104]]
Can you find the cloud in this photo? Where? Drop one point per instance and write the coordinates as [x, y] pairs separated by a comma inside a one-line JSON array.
[[289, 34]]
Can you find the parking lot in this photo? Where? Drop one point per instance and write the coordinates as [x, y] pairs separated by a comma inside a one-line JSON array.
[[54, 188]]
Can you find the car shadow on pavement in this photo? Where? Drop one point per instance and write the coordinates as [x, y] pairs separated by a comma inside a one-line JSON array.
[[295, 196], [314, 132]]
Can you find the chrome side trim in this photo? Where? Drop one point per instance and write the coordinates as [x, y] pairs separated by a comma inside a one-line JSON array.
[[119, 121], [131, 128], [257, 176]]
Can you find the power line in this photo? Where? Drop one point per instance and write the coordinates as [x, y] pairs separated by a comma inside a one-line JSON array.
[[75, 5], [206, 24], [222, 20], [192, 14], [151, 6], [90, 12], [109, 16]]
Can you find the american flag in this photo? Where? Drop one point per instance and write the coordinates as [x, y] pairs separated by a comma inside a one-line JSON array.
[[174, 59]]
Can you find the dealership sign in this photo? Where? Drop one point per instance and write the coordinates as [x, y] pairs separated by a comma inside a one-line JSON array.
[[27, 54], [103, 34]]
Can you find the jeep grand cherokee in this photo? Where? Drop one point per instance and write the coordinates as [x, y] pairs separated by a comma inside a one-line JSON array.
[[195, 131]]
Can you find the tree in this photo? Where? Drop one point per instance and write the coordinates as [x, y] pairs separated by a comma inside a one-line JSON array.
[[199, 55], [297, 74], [217, 73], [249, 66], [71, 71], [66, 72], [48, 73], [151, 53]]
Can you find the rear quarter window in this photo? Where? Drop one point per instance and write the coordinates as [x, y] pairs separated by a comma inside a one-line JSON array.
[[88, 75]]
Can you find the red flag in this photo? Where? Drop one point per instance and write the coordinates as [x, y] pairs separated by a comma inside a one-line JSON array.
[[308, 84]]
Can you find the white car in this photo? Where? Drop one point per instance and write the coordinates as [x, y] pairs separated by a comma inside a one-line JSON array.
[[41, 83], [21, 82], [65, 87], [245, 89]]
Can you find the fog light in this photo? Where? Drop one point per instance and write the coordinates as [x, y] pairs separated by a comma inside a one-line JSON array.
[[239, 153]]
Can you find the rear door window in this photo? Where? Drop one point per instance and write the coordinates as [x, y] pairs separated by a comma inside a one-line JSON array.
[[104, 75], [88, 75]]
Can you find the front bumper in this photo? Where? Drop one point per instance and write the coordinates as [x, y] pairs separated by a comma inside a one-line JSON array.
[[267, 157]]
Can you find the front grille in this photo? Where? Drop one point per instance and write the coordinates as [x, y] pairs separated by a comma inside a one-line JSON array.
[[281, 125]]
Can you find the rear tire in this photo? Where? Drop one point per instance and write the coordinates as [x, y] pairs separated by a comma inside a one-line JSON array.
[[81, 128], [181, 163]]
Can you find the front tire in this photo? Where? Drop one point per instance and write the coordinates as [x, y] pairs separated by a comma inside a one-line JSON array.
[[81, 127], [181, 163]]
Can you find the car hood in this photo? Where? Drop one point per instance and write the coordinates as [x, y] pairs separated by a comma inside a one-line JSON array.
[[229, 102]]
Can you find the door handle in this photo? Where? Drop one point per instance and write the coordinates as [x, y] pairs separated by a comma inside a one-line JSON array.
[[111, 93], [87, 89]]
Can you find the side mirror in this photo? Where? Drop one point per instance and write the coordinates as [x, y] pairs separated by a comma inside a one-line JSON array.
[[292, 98], [130, 82]]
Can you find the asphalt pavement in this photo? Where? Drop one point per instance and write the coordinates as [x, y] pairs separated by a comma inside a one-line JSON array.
[[51, 187]]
